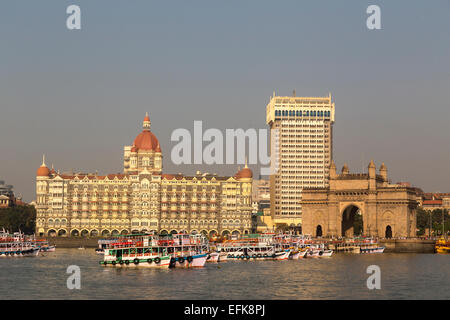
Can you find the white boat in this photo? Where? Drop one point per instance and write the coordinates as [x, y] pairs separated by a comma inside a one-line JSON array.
[[282, 255], [313, 253], [297, 254], [17, 245], [191, 261], [325, 253], [371, 249], [23, 252], [213, 257], [223, 256]]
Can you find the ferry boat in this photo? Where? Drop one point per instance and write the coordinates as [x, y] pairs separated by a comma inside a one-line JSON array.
[[213, 257], [186, 250], [136, 251], [17, 245], [442, 246], [371, 249], [297, 254], [254, 247], [44, 246], [103, 244]]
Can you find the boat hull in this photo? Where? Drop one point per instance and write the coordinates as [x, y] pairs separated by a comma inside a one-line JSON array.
[[372, 250], [198, 261], [213, 257], [140, 261], [32, 252]]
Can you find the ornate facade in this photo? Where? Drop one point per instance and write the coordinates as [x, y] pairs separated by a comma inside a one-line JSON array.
[[142, 198], [387, 210]]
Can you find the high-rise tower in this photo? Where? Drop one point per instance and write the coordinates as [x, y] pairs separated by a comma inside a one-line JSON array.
[[303, 151]]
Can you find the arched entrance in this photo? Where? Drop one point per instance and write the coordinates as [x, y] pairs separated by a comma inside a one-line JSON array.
[[52, 233], [319, 231], [352, 222], [94, 233], [62, 233], [388, 233], [105, 233], [75, 233]]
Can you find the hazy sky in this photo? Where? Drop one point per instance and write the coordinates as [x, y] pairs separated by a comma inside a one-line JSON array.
[[80, 96]]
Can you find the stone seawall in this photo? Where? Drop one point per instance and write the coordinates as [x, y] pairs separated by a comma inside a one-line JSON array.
[[408, 245], [73, 242]]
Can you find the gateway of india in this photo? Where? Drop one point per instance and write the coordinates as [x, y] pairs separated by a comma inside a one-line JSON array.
[[142, 198], [387, 210]]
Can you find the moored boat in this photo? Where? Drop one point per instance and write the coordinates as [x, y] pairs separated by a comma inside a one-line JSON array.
[[442, 246]]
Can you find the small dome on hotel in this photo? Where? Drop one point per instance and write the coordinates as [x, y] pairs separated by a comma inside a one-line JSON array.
[[246, 173], [43, 170], [146, 140]]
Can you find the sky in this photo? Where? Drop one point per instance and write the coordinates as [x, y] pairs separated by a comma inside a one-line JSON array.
[[79, 96]]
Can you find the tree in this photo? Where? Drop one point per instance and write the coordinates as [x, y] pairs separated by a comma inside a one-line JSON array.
[[21, 218], [423, 220]]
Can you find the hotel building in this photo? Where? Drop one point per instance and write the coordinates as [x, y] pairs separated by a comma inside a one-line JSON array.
[[301, 136], [142, 198]]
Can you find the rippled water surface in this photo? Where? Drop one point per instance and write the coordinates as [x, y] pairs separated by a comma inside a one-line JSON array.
[[343, 276]]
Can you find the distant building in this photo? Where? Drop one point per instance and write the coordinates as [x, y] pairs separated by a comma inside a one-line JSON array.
[[142, 198], [7, 197], [433, 201], [301, 131]]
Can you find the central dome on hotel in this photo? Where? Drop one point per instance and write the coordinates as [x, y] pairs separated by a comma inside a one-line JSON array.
[[146, 140]]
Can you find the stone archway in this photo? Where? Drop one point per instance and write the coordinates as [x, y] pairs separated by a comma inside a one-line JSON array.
[[52, 233], [352, 223], [388, 232], [319, 231], [75, 233]]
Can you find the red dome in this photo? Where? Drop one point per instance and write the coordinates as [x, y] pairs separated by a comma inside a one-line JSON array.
[[43, 171], [146, 140], [246, 173]]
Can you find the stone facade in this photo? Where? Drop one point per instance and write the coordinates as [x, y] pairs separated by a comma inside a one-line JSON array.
[[387, 210], [142, 198]]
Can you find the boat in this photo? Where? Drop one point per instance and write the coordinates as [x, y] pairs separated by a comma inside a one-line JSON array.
[[136, 251], [371, 249], [186, 250], [213, 257], [44, 246], [442, 246], [325, 253], [223, 256], [103, 244], [157, 251], [253, 247], [17, 245]]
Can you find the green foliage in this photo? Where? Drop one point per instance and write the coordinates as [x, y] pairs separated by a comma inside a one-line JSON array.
[[423, 221], [21, 218], [357, 225]]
